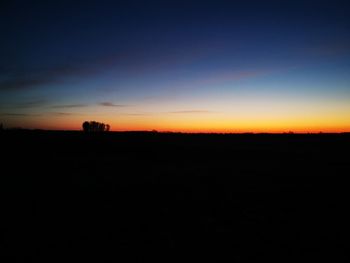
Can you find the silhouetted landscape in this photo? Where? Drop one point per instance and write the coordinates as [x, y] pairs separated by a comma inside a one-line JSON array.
[[171, 196]]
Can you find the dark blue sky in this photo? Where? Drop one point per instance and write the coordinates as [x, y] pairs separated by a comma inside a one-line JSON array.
[[176, 65]]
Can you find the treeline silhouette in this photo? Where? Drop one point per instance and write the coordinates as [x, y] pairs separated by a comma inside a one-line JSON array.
[[94, 126]]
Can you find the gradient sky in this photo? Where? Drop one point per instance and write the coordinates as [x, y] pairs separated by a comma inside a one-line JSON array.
[[190, 66]]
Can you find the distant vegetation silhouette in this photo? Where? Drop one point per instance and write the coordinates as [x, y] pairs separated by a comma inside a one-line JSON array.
[[94, 126]]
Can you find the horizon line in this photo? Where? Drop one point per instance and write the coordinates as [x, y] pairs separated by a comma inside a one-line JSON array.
[[174, 132]]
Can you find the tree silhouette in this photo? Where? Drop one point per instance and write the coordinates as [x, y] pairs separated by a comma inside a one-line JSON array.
[[86, 126], [94, 126]]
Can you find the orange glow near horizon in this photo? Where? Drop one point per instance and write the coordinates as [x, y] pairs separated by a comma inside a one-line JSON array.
[[256, 114], [195, 125]]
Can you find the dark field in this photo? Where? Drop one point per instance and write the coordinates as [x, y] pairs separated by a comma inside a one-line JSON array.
[[146, 196]]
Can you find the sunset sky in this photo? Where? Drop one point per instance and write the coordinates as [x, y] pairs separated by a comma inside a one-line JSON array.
[[190, 66]]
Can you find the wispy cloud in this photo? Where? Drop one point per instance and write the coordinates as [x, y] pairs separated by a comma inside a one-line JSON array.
[[64, 106], [20, 81], [23, 79], [25, 104], [31, 104], [14, 78], [19, 114], [111, 104], [127, 60], [61, 113]]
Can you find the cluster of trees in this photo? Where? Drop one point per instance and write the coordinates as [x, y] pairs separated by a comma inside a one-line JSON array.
[[94, 126]]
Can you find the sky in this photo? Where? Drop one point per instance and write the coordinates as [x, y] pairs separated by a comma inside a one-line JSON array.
[[181, 66]]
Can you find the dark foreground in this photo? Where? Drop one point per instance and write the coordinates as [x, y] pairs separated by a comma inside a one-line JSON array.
[[146, 196]]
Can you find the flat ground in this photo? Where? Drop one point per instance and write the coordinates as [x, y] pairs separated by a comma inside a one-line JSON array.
[[174, 196]]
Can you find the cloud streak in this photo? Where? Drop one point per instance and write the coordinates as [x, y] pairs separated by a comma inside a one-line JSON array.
[[26, 104], [111, 104], [69, 106], [31, 104], [24, 79], [13, 78], [20, 82], [19, 114], [62, 113], [127, 60]]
